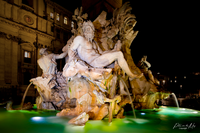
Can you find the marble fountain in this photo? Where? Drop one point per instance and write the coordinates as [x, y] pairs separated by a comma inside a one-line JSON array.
[[100, 88]]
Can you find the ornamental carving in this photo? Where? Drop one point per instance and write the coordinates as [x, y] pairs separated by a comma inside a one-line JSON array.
[[28, 20], [39, 45]]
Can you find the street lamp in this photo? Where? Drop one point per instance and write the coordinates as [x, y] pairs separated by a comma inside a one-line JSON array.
[[163, 82], [181, 86]]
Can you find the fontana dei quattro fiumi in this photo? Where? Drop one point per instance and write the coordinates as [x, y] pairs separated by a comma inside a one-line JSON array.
[[100, 88]]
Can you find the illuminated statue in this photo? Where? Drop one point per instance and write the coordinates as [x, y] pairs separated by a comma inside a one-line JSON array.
[[49, 66], [50, 82], [99, 71], [144, 66], [91, 53]]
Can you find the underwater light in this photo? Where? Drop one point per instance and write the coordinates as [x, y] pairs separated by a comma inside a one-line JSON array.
[[36, 118], [142, 113]]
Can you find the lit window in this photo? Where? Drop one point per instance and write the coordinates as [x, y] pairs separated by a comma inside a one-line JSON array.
[[27, 54], [65, 20], [51, 15], [72, 24], [57, 17], [27, 57]]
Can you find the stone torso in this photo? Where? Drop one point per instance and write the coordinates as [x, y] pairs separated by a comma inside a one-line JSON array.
[[86, 49]]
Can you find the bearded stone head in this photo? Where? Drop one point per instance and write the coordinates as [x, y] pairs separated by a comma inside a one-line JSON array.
[[88, 30]]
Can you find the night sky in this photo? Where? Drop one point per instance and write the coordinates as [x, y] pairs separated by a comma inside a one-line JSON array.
[[168, 35]]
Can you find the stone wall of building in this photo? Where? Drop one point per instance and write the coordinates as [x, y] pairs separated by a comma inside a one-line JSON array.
[[25, 27]]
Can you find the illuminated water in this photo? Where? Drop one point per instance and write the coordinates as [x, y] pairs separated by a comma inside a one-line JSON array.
[[165, 119], [175, 100]]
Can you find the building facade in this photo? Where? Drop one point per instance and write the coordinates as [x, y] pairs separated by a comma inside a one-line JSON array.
[[26, 26]]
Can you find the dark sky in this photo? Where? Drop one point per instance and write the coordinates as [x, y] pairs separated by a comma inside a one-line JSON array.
[[168, 35]]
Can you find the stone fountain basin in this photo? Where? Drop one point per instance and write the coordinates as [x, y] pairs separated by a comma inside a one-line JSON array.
[[164, 119]]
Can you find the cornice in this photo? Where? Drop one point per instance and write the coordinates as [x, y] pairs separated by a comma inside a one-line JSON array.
[[20, 41], [9, 37]]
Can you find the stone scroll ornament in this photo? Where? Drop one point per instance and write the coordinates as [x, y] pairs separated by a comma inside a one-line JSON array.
[[99, 73]]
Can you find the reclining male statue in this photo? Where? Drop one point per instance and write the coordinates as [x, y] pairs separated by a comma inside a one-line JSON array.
[[88, 51]]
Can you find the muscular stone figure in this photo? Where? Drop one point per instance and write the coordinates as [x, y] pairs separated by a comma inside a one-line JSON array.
[[91, 53], [144, 65], [48, 65]]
